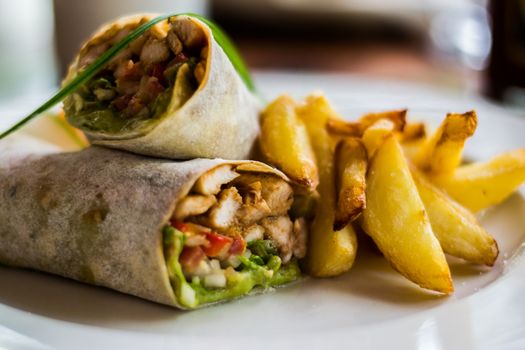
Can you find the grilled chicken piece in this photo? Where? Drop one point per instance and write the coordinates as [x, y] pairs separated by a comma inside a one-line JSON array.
[[254, 207], [193, 205], [222, 215], [279, 229], [154, 51], [253, 233], [276, 192], [189, 33], [211, 182], [174, 42], [300, 238]]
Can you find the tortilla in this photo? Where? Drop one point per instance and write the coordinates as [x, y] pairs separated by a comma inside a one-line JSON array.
[[220, 118], [95, 216]]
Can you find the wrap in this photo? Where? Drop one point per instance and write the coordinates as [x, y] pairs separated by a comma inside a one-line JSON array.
[[102, 217], [172, 93]]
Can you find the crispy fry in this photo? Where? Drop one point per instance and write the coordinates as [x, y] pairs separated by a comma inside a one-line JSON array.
[[357, 128], [397, 117], [441, 154], [330, 253], [351, 162], [52, 127], [338, 127], [376, 134], [396, 220], [456, 228], [412, 148], [284, 142], [413, 132], [480, 185]]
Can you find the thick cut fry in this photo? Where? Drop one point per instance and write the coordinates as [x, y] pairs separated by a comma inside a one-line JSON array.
[[480, 185], [411, 148], [330, 253], [338, 127], [357, 128], [351, 162], [396, 220], [376, 134], [441, 154], [413, 137], [284, 142], [397, 117], [456, 228], [413, 132], [53, 128]]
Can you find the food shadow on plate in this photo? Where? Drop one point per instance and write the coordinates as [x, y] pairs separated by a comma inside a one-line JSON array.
[[64, 299], [372, 277]]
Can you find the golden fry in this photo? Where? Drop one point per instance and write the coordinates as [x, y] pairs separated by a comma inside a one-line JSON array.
[[357, 128], [413, 132], [52, 127], [396, 220], [397, 117], [480, 185], [376, 134], [456, 228], [284, 142], [351, 162], [338, 127], [330, 252], [441, 154]]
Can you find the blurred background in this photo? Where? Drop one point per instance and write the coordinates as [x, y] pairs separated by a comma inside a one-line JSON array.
[[467, 45]]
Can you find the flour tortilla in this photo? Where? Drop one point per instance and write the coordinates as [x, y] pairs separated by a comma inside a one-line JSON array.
[[220, 120], [95, 215]]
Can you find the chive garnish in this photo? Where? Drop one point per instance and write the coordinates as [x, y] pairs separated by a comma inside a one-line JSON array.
[[90, 71]]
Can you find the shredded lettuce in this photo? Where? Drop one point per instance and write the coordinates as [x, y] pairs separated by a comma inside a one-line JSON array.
[[263, 248], [252, 274]]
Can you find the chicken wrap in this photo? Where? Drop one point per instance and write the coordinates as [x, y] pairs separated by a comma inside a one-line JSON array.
[[173, 93], [184, 234]]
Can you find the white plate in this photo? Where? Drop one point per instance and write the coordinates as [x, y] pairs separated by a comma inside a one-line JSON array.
[[369, 307]]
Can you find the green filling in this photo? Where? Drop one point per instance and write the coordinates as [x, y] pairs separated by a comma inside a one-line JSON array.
[[84, 111], [251, 275]]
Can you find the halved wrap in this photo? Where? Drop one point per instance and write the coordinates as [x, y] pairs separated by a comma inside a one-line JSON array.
[[171, 93], [184, 234]]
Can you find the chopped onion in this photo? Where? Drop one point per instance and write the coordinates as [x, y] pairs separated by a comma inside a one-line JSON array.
[[215, 280]]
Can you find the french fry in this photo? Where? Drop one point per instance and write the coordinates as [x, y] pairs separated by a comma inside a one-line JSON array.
[[411, 148], [413, 132], [351, 162], [339, 127], [441, 153], [480, 185], [52, 127], [330, 252], [397, 117], [357, 128], [284, 142], [456, 228], [396, 220], [376, 134]]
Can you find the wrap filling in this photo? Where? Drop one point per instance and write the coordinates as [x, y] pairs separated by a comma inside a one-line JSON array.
[[232, 233], [158, 71]]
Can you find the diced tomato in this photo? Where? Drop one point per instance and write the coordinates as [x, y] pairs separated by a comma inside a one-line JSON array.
[[122, 102], [149, 89], [180, 57], [191, 257], [219, 245], [179, 225], [238, 246], [157, 71]]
